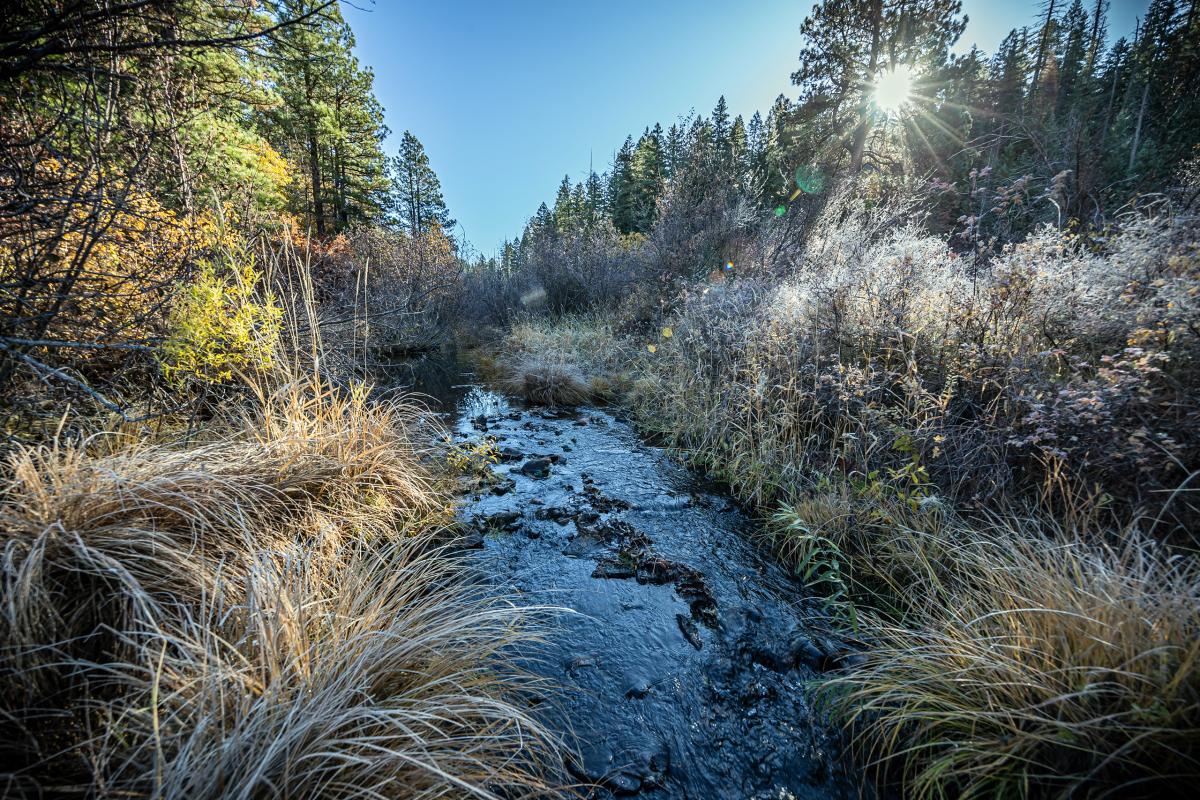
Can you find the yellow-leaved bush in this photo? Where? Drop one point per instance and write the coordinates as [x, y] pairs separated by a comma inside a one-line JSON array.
[[223, 321]]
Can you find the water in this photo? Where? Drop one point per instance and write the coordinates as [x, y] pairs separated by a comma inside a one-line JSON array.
[[686, 659]]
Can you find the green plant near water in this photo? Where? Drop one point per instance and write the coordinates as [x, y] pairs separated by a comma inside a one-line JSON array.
[[816, 559]]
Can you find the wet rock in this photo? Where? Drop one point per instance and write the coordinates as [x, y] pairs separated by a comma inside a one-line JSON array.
[[480, 423], [501, 521], [689, 631], [802, 651], [509, 454], [587, 518], [503, 487], [471, 541], [560, 514], [613, 568], [602, 503], [691, 587], [628, 772], [536, 468], [658, 571], [639, 687], [580, 662]]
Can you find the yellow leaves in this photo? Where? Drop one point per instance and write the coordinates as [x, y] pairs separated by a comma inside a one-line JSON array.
[[667, 333], [220, 325], [652, 348]]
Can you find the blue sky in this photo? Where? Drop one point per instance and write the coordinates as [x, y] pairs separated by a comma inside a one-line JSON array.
[[507, 97]]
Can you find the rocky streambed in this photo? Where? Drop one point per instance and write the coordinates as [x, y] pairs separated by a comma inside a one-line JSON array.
[[683, 658]]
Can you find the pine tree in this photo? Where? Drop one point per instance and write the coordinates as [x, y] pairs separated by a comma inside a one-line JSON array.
[[720, 126], [595, 207], [673, 150], [847, 45], [418, 192], [647, 174], [621, 189], [330, 122]]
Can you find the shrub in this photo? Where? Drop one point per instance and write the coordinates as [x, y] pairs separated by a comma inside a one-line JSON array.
[[221, 324]]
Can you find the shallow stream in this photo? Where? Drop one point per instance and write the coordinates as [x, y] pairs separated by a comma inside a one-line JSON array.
[[686, 660]]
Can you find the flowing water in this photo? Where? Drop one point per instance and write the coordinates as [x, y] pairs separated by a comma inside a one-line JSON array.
[[684, 657]]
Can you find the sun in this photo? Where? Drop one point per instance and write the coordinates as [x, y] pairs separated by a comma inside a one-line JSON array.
[[893, 89]]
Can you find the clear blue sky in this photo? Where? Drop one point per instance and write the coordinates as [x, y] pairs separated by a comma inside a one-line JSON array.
[[507, 97]]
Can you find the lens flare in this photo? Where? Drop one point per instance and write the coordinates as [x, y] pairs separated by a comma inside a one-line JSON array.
[[893, 89]]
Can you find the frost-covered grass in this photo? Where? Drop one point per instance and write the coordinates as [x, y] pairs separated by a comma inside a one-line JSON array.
[[986, 463]]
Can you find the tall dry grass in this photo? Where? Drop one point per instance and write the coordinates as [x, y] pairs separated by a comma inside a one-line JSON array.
[[1049, 667], [267, 610]]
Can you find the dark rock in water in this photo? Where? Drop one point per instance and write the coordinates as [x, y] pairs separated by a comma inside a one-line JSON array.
[[555, 458], [480, 423], [503, 487], [586, 518], [579, 662], [624, 770], [560, 514], [471, 541], [657, 571], [639, 687], [602, 503], [614, 568], [803, 651], [691, 587], [501, 520], [536, 468], [689, 631], [508, 454]]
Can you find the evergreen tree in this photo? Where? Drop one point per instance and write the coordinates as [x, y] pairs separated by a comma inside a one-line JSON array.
[[330, 122], [674, 149], [621, 190], [418, 192], [720, 126], [847, 46], [647, 175]]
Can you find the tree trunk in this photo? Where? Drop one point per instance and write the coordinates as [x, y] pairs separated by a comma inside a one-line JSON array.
[[860, 132], [1137, 130]]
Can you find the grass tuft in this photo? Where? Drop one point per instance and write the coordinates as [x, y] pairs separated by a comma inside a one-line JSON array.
[[265, 612]]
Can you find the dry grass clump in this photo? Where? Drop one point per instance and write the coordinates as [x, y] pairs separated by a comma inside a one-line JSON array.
[[545, 382], [565, 363], [1052, 668], [262, 613]]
